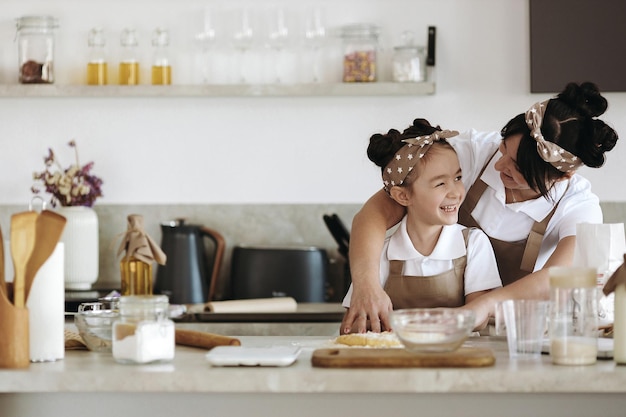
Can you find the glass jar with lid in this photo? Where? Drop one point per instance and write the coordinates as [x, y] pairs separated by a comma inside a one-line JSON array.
[[409, 60], [35, 48], [143, 333], [360, 48]]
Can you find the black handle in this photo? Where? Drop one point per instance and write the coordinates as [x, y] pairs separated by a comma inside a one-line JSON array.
[[432, 34]]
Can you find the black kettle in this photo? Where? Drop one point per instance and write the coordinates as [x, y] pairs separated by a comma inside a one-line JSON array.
[[194, 257]]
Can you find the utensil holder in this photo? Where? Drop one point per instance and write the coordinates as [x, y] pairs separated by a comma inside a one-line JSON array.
[[14, 335]]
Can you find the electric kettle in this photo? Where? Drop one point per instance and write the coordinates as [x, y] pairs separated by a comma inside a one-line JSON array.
[[194, 257]]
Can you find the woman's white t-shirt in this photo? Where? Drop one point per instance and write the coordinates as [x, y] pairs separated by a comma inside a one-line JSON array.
[[513, 222]]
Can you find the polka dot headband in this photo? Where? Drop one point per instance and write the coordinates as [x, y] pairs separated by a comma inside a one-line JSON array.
[[406, 158], [550, 152]]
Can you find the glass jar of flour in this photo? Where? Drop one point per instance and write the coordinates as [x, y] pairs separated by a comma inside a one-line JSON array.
[[143, 333]]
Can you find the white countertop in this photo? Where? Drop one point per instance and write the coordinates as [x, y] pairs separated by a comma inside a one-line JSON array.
[[190, 372], [88, 372]]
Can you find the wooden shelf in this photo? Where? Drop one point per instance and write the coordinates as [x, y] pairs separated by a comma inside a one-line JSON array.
[[243, 90]]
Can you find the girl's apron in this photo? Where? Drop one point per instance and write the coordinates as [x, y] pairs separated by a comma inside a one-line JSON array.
[[442, 290]]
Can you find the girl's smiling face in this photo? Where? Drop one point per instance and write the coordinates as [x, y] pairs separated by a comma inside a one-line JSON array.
[[436, 194]]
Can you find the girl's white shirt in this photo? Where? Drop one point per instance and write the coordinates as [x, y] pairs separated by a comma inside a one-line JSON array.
[[481, 271]]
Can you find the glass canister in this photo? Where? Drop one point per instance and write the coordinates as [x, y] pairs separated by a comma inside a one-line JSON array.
[[97, 72], [143, 333], [360, 43], [35, 48], [409, 60], [573, 316]]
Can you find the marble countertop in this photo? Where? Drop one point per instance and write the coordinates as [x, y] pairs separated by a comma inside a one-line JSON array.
[[84, 371]]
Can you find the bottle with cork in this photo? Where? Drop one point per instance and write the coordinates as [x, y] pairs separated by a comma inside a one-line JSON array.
[[140, 251]]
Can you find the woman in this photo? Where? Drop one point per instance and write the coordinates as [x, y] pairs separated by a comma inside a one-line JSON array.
[[523, 192]]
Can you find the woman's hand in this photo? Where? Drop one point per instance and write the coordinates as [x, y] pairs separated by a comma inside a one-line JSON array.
[[369, 310]]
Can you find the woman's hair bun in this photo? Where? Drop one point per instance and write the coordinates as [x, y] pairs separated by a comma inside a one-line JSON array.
[[585, 98]]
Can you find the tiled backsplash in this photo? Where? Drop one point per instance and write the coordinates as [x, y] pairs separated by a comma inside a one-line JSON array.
[[265, 224]]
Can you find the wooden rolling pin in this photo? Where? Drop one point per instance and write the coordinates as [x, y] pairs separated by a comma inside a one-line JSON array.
[[204, 340]]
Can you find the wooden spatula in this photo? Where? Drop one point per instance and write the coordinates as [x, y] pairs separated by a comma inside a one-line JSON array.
[[50, 226], [23, 235]]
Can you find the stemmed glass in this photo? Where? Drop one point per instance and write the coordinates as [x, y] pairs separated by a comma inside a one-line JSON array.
[[243, 39], [206, 42], [315, 37], [278, 38]]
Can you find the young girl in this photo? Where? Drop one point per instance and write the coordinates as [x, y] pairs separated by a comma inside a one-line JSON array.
[[430, 260]]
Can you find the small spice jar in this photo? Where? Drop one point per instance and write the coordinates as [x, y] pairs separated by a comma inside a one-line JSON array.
[[573, 316], [360, 43], [143, 333], [409, 60], [35, 48]]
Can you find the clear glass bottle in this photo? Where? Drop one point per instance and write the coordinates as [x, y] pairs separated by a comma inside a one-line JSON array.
[[136, 276], [129, 63], [97, 71], [360, 43], [573, 316], [139, 253], [35, 48], [143, 333], [409, 60], [161, 64]]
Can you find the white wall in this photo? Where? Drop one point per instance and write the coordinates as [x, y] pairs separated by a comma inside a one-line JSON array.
[[264, 150]]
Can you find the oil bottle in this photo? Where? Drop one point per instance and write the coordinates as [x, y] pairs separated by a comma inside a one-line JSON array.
[[140, 251], [161, 65], [97, 72], [129, 64]]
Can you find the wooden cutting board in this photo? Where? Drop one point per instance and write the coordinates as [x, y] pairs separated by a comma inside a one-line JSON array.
[[464, 357]]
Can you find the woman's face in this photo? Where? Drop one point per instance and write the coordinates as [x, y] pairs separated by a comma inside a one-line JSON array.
[[507, 165], [437, 193]]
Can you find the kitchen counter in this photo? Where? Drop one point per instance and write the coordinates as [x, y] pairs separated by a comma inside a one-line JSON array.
[[93, 384]]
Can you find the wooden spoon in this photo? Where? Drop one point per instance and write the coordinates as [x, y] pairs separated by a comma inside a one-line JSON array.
[[23, 234], [50, 226]]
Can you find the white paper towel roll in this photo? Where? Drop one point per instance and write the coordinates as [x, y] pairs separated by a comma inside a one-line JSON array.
[[46, 310]]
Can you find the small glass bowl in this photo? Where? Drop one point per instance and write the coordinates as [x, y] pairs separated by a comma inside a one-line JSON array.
[[432, 329], [94, 322]]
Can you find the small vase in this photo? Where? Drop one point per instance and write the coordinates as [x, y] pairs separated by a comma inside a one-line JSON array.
[[80, 237]]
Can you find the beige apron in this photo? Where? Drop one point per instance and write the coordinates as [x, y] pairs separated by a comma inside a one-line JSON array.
[[515, 259], [442, 290]]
